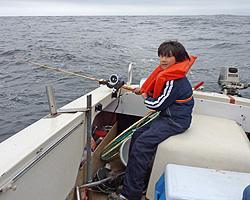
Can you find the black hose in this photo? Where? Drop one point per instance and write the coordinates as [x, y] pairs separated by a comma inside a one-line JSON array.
[[101, 181]]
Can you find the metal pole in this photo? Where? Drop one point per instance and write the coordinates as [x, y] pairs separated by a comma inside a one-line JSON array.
[[51, 99], [78, 196], [89, 135], [130, 69]]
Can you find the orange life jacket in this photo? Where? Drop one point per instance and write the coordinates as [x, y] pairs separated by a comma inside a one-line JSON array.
[[158, 77]]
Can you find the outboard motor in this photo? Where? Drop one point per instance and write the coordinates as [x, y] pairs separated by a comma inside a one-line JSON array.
[[229, 81]]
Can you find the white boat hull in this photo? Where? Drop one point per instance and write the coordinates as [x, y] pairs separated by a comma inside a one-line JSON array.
[[42, 161]]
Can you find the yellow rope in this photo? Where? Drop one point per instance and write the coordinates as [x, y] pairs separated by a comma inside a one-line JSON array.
[[125, 136], [125, 131]]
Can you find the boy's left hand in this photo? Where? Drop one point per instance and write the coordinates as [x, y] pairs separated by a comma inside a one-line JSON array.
[[144, 95]]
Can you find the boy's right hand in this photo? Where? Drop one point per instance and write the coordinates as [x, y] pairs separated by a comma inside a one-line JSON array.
[[137, 91]]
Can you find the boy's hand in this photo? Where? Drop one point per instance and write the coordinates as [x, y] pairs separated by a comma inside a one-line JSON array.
[[137, 91], [144, 95]]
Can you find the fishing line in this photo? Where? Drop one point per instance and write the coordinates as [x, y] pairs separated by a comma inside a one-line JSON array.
[[57, 69], [109, 83], [118, 102]]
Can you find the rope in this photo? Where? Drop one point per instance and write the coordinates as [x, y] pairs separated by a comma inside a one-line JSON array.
[[112, 149]]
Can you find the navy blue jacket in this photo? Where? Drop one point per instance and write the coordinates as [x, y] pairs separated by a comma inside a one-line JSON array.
[[175, 101]]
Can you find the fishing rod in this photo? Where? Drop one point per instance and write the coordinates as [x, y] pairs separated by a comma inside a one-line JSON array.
[[113, 82]]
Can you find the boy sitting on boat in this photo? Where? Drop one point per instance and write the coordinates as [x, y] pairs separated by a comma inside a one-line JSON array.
[[166, 90]]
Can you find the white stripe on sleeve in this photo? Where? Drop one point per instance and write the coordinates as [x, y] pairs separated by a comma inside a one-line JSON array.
[[161, 98]]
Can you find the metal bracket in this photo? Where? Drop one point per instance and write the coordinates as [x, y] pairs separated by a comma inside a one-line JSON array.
[[9, 186], [71, 110]]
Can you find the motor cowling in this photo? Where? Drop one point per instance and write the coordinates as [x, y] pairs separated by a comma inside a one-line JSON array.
[[229, 81]]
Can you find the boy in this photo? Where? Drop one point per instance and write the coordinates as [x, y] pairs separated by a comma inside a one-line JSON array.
[[173, 97]]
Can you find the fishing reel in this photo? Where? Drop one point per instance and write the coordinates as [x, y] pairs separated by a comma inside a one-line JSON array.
[[115, 81], [229, 81]]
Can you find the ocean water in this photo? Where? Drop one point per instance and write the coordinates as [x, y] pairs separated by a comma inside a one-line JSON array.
[[100, 46]]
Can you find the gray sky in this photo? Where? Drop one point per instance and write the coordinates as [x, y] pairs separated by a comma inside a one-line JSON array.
[[122, 7]]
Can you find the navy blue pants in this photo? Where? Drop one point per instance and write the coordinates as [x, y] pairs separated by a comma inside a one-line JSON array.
[[143, 146]]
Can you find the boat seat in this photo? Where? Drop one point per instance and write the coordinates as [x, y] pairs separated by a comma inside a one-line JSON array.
[[210, 142]]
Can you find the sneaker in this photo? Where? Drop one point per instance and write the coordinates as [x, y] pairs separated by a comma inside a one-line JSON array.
[[114, 196]]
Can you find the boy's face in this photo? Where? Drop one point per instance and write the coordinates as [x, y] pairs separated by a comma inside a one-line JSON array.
[[167, 61]]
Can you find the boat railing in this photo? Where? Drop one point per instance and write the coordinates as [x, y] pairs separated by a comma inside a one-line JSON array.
[[130, 76]]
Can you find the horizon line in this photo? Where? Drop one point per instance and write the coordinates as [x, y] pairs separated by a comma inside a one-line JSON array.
[[122, 15]]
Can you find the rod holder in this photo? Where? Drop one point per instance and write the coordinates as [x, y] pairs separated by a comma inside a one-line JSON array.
[[51, 99], [130, 69]]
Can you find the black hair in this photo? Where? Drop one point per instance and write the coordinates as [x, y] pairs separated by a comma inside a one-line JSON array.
[[173, 48]]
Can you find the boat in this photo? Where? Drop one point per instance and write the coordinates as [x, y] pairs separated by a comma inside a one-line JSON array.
[[47, 160]]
